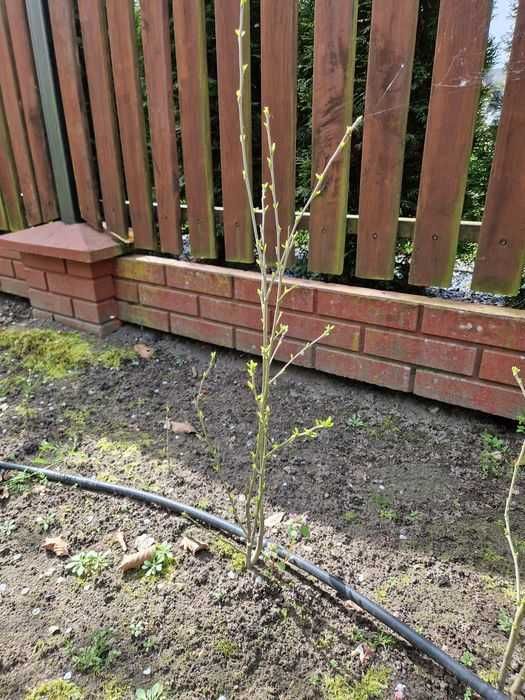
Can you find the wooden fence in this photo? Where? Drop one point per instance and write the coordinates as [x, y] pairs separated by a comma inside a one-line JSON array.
[[99, 73]]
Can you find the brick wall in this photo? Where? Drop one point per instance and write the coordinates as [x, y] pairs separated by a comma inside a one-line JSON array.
[[12, 273]]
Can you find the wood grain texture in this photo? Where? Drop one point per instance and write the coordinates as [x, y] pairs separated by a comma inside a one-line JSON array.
[[9, 187], [238, 235], [128, 96], [16, 124], [29, 94], [279, 94], [501, 250], [458, 66], [100, 87], [4, 223], [192, 74], [156, 42], [389, 78], [74, 105], [334, 61]]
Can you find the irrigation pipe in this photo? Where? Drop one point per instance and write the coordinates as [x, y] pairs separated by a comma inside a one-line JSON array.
[[463, 674]]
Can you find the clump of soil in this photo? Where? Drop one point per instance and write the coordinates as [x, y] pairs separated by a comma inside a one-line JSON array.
[[393, 498]]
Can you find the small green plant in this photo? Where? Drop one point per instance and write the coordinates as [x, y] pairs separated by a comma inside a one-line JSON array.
[[382, 640], [226, 647], [160, 562], [351, 517], [156, 692], [227, 551], [46, 522], [89, 564], [520, 428], [23, 481], [55, 690], [355, 422], [384, 508], [504, 621], [114, 690], [98, 654], [298, 529], [467, 659], [136, 628], [493, 457], [372, 685], [7, 527]]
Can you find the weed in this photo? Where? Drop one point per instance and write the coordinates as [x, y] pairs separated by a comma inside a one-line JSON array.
[[467, 659], [161, 561], [326, 640], [89, 564], [136, 628], [7, 527], [521, 423], [384, 508], [156, 692], [150, 643], [372, 685], [504, 621], [227, 551], [226, 647], [202, 504], [23, 481], [351, 517], [113, 690], [55, 690], [355, 422], [493, 456], [382, 640], [98, 654], [298, 529], [46, 522]]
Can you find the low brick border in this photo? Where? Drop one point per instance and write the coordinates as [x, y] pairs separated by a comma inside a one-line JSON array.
[[457, 353]]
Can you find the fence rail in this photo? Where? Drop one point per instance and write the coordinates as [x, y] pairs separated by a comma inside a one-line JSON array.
[[133, 80]]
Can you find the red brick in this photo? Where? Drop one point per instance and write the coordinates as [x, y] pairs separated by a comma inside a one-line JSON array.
[[306, 327], [99, 329], [497, 366], [368, 306], [20, 270], [140, 268], [126, 290], [95, 312], [231, 312], [301, 298], [199, 278], [40, 315], [469, 393], [40, 262], [143, 316], [199, 329], [51, 302], [491, 328], [365, 369], [250, 341], [10, 285], [12, 254], [80, 287], [169, 299], [6, 268], [36, 278], [419, 350], [90, 270]]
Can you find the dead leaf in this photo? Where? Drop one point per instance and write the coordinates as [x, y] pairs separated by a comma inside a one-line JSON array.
[[176, 427], [352, 606], [136, 559], [144, 351], [4, 493], [191, 545], [56, 545], [274, 519], [364, 652], [194, 372], [119, 538]]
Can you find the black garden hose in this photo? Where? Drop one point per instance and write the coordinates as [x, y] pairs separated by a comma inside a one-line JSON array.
[[463, 674]]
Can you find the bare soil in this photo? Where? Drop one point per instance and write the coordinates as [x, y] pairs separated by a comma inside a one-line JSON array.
[[393, 495]]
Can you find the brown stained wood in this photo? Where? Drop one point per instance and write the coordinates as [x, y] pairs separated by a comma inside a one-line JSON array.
[[279, 94], [156, 43], [100, 87], [16, 124], [9, 187], [73, 101], [238, 235], [334, 61], [192, 74], [390, 61], [124, 61], [458, 66], [30, 97], [4, 224], [501, 250]]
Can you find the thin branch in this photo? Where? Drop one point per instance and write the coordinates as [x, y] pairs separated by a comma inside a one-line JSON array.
[[306, 347]]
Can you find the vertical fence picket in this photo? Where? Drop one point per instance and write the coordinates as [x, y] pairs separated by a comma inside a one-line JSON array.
[[238, 237], [16, 124], [4, 224], [192, 74], [30, 98], [279, 94], [9, 187], [334, 61], [456, 80], [501, 250], [100, 86], [389, 78], [156, 41], [73, 102], [124, 61]]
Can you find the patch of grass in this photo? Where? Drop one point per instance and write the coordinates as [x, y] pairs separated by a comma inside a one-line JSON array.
[[226, 647], [23, 481], [494, 456], [86, 565], [227, 551], [372, 685], [55, 690], [98, 654], [54, 354]]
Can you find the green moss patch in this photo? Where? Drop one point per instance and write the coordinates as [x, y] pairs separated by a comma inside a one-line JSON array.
[[55, 690]]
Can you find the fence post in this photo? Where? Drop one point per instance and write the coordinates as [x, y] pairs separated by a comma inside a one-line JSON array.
[[52, 110]]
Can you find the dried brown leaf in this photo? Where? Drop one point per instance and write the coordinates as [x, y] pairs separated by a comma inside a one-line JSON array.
[[189, 544], [136, 559], [177, 427], [56, 545], [119, 538], [4, 493], [274, 519], [144, 351], [364, 652]]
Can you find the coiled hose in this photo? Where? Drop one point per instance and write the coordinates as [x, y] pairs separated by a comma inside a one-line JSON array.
[[463, 674]]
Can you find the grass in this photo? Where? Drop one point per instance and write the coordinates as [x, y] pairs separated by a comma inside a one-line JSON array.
[[55, 690]]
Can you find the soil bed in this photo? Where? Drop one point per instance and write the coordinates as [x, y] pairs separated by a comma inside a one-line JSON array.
[[393, 495]]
